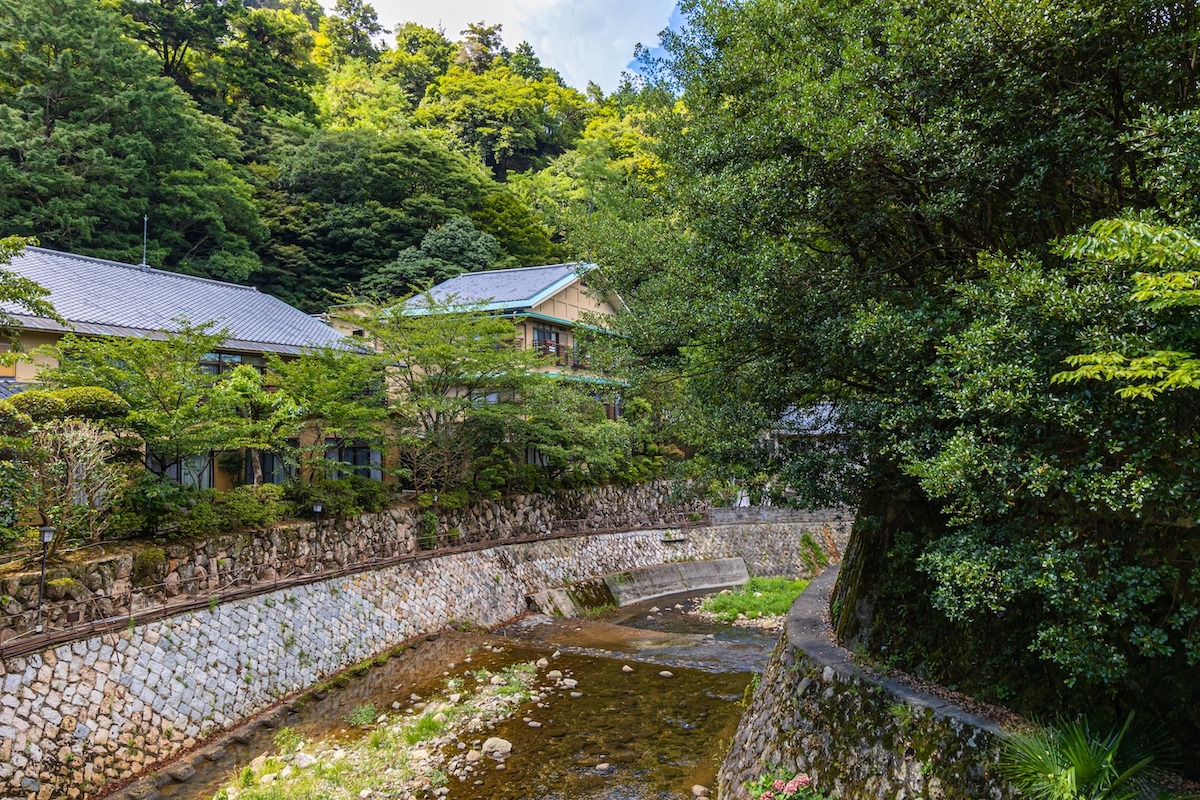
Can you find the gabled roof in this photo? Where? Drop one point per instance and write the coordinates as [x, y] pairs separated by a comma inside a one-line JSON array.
[[501, 289], [103, 297]]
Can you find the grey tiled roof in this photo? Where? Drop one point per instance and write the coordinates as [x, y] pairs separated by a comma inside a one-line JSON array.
[[10, 387], [107, 297], [503, 288]]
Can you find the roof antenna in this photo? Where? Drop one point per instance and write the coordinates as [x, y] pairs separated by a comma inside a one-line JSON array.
[[145, 224]]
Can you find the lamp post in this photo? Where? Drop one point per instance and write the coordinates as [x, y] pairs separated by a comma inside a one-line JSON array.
[[47, 535], [318, 507]]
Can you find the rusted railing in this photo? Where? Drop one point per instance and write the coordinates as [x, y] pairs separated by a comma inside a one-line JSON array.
[[154, 603]]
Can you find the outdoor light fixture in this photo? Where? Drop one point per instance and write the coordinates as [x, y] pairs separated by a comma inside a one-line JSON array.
[[47, 535], [318, 507]]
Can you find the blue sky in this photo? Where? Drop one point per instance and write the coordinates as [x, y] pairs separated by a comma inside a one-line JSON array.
[[583, 39]]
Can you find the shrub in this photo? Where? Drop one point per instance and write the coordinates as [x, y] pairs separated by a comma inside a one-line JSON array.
[[93, 403], [341, 497], [362, 715], [253, 506], [371, 496], [39, 404], [153, 501], [1073, 762], [13, 421], [427, 530], [202, 519]]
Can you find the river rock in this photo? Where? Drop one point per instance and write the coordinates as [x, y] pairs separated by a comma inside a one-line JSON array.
[[497, 746], [576, 694], [554, 675], [304, 760], [534, 724], [570, 683], [258, 762], [626, 668], [603, 767], [542, 662], [473, 756], [497, 680], [666, 674], [699, 791]]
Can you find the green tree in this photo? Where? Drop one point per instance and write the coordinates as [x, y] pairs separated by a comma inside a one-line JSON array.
[[865, 215], [168, 395], [480, 47], [92, 139], [19, 292], [503, 119], [340, 397], [421, 55], [352, 29], [445, 363], [345, 203], [268, 62], [263, 419], [175, 30], [445, 252]]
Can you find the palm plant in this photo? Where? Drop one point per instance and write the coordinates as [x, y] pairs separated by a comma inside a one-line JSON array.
[[1071, 762]]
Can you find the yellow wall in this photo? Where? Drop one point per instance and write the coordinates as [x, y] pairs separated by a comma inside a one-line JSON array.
[[572, 302], [30, 340]]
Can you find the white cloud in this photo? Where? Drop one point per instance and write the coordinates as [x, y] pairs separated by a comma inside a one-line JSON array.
[[585, 40]]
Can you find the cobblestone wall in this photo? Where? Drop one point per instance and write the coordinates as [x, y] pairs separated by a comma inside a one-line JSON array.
[[103, 709], [123, 583], [858, 736]]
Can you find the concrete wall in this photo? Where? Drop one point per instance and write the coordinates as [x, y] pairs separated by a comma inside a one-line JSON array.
[[857, 735], [106, 708]]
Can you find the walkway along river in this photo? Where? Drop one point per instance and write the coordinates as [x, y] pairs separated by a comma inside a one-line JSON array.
[[640, 702]]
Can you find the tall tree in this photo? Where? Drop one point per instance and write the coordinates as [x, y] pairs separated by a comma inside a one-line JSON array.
[[175, 30], [345, 203], [92, 138], [480, 46], [268, 62], [446, 251], [352, 29], [865, 215]]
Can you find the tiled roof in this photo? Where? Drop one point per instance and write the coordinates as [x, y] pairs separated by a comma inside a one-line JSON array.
[[503, 289], [10, 387], [107, 297]]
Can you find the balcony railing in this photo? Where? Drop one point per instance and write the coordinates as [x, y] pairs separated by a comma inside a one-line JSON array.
[[563, 355]]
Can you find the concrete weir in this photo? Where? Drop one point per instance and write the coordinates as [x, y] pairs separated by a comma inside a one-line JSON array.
[[636, 585]]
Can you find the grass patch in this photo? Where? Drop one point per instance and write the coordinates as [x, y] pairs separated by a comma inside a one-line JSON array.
[[760, 597], [598, 611], [426, 727]]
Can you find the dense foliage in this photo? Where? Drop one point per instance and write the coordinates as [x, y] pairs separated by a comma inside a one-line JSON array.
[[278, 143], [870, 210]]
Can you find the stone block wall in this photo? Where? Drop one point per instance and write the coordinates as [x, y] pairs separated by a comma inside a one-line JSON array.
[[103, 709], [858, 736], [122, 583]]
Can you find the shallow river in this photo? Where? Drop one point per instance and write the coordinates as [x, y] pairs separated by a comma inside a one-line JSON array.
[[660, 735]]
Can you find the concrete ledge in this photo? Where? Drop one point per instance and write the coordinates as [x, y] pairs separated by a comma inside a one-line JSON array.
[[648, 583], [858, 735]]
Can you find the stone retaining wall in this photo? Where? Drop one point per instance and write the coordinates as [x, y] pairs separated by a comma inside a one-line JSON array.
[[860, 736], [103, 709], [747, 514], [122, 584]]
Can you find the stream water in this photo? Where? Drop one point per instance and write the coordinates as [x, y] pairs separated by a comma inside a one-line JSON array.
[[660, 735]]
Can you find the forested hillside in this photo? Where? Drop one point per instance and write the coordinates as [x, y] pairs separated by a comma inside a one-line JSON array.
[[300, 151]]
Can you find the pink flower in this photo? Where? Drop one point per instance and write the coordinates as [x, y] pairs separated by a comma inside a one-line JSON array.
[[778, 786], [803, 779], [767, 795]]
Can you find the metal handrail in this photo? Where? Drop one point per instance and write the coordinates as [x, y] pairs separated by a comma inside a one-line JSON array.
[[287, 575]]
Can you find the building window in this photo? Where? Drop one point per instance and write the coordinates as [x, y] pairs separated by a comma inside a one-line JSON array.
[[358, 456], [277, 469], [218, 363], [194, 471]]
